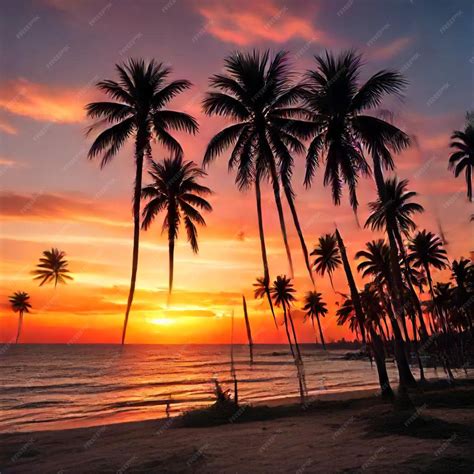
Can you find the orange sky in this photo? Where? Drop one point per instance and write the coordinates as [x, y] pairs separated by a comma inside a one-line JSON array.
[[51, 196]]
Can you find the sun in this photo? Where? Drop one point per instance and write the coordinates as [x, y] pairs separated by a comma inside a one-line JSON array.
[[162, 321]]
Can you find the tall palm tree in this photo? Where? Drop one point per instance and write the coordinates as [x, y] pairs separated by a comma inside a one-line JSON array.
[[462, 158], [261, 289], [426, 251], [257, 93], [174, 190], [327, 255], [136, 111], [52, 267], [20, 304], [315, 307], [340, 104], [392, 212], [345, 130]]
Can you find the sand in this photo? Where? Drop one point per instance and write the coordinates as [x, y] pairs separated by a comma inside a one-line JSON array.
[[436, 434]]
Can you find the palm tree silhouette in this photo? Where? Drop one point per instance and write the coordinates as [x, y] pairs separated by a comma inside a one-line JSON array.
[[137, 112], [174, 190], [282, 292], [462, 159], [426, 250], [256, 92], [20, 304], [327, 255], [52, 267], [260, 290], [314, 306], [392, 212], [340, 103]]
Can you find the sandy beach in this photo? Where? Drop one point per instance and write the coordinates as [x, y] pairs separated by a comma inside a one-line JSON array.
[[436, 434]]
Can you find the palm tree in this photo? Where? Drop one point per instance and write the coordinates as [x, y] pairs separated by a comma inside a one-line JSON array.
[[393, 211], [282, 292], [256, 92], [261, 289], [137, 111], [174, 190], [20, 304], [462, 159], [343, 129], [426, 250], [315, 307], [327, 255], [52, 267]]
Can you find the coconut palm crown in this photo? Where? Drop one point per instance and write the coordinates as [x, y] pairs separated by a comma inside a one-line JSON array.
[[52, 268]]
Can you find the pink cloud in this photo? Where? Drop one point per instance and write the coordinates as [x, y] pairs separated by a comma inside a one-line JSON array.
[[5, 127], [41, 102], [244, 24], [389, 50]]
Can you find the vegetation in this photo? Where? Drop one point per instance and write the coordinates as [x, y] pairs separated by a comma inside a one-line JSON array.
[[137, 111], [52, 267], [330, 117], [20, 304], [174, 189]]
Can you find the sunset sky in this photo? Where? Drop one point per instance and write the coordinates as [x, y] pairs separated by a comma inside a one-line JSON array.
[[52, 54]]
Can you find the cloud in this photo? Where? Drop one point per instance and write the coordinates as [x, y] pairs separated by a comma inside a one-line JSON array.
[[41, 102], [7, 128], [389, 50], [248, 22], [58, 207]]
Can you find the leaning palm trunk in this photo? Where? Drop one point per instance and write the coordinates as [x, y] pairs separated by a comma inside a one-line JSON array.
[[377, 345], [396, 286], [281, 216], [266, 272], [352, 286], [298, 359], [140, 147], [411, 288], [20, 324], [294, 213], [249, 331]]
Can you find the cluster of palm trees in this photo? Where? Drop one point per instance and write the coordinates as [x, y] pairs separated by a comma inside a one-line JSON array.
[[52, 267], [329, 117]]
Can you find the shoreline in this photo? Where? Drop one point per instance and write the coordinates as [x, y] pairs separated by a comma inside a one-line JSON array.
[[435, 433]]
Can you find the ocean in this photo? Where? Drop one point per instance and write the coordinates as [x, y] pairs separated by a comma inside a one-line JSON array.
[[45, 387]]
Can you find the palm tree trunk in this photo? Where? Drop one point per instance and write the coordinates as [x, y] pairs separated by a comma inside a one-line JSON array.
[[352, 286], [281, 216], [139, 152], [405, 375], [249, 331], [379, 355], [171, 262], [297, 346], [321, 332], [285, 320], [20, 324], [411, 288], [294, 213], [263, 248], [469, 182]]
